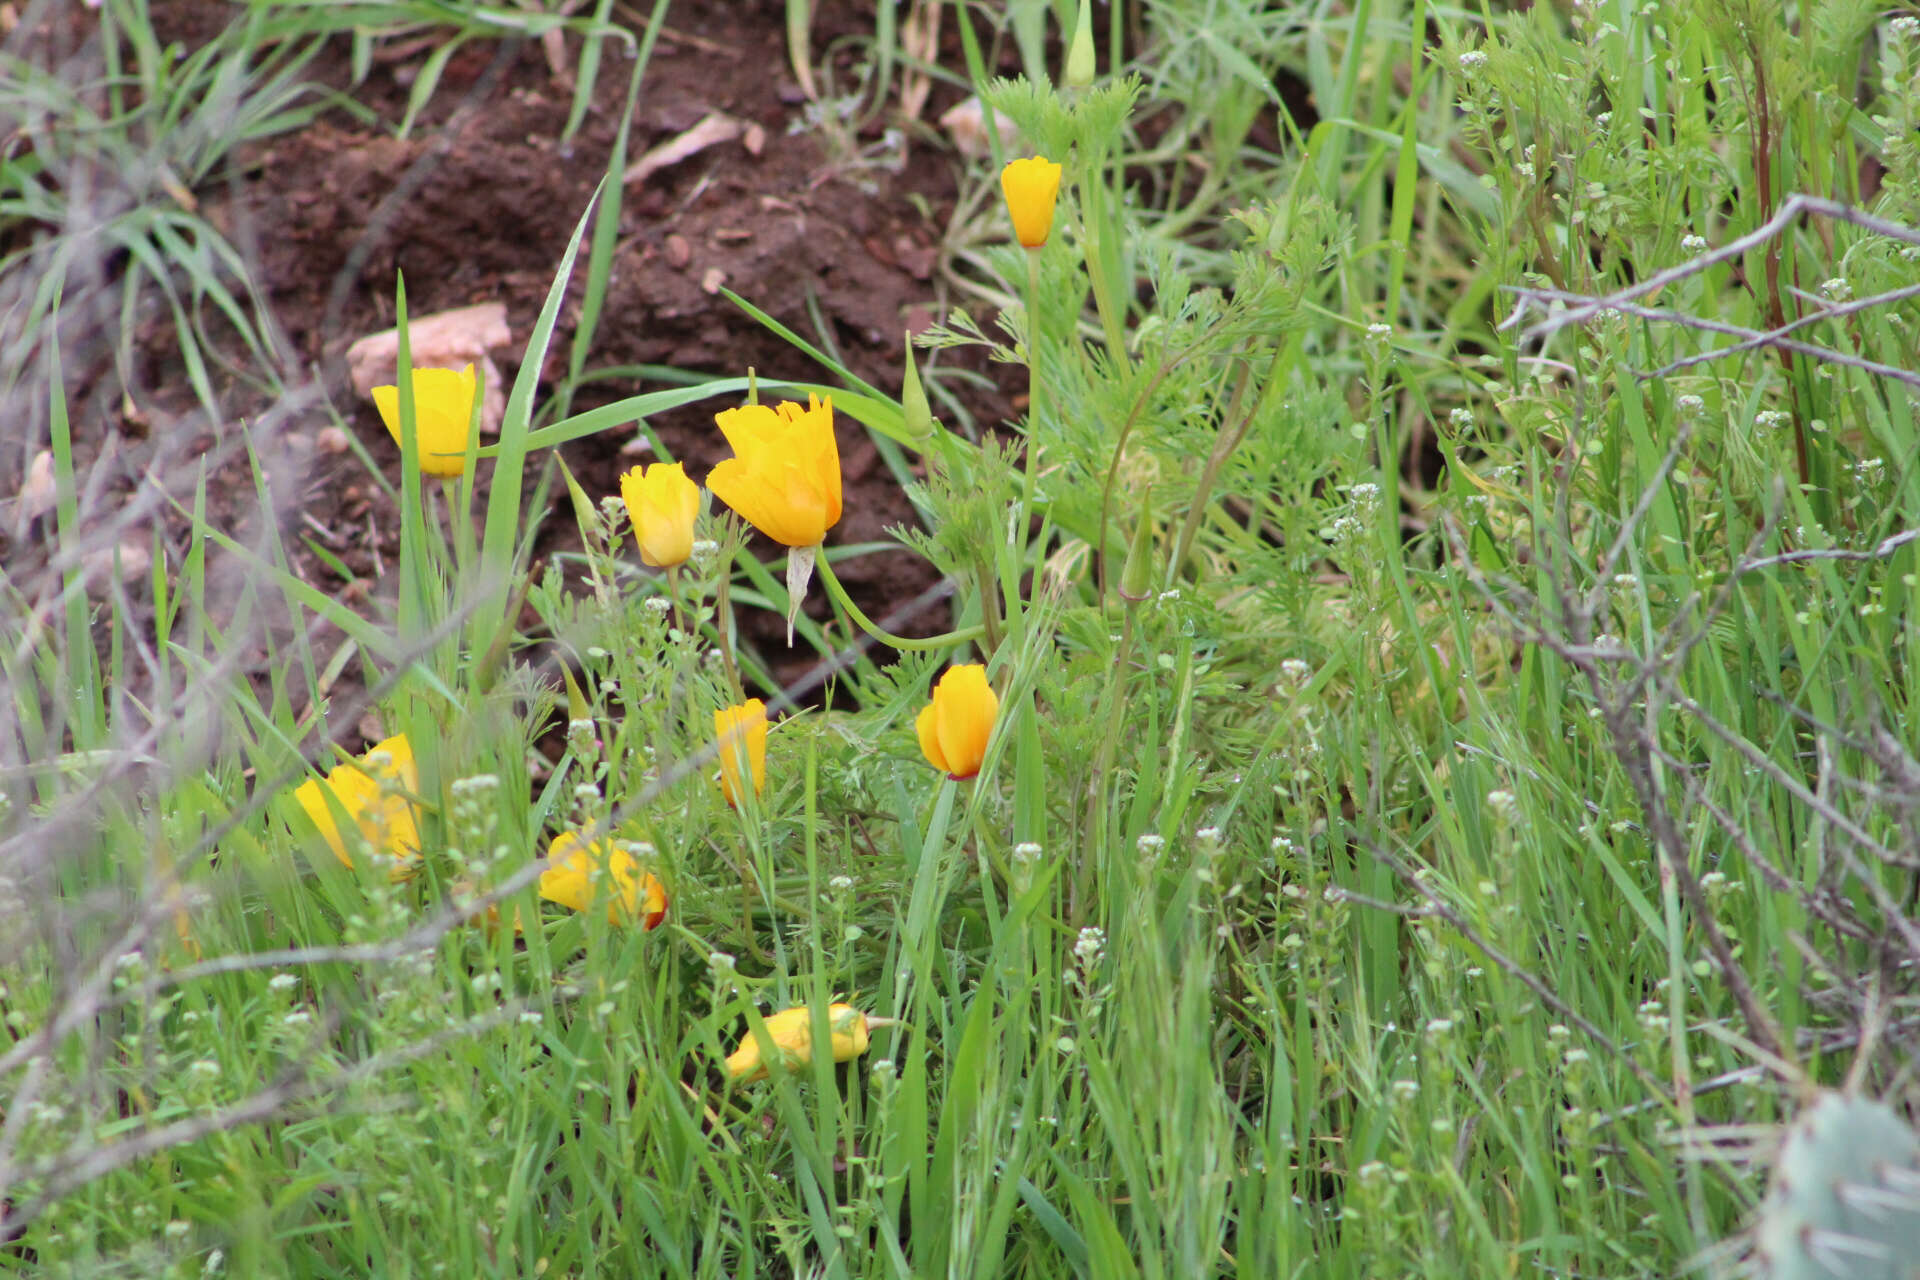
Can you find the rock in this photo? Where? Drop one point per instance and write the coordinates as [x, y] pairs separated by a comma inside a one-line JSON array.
[[966, 124], [446, 340]]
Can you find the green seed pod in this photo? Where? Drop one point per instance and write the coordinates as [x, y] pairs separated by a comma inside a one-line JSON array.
[[1080, 59], [1136, 578], [913, 401]]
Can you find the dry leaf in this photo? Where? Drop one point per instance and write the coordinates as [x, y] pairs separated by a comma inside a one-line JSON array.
[[715, 126], [37, 491]]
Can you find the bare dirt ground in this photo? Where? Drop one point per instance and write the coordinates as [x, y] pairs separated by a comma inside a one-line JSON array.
[[476, 205]]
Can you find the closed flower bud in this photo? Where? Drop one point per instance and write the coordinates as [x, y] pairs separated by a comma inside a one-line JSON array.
[[661, 506], [791, 1031], [1136, 576], [742, 732], [579, 874], [442, 417], [917, 412], [1080, 56], [954, 727], [1031, 187]]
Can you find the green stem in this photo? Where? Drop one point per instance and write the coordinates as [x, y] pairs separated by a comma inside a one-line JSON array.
[[1112, 707], [989, 609], [459, 528], [1029, 484], [1113, 467], [824, 569], [723, 621], [1224, 445]]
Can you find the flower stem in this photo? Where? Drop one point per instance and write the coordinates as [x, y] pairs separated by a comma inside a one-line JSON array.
[[825, 569], [1034, 388], [723, 622]]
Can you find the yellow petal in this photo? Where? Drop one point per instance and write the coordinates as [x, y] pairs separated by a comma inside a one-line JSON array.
[[749, 427], [929, 735], [785, 475], [962, 714], [442, 414], [791, 1033], [741, 730], [314, 801], [776, 499], [570, 880], [384, 817], [1031, 187]]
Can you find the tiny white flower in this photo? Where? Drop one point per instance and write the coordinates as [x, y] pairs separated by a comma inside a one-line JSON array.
[[178, 1228], [1151, 843], [1693, 243], [1091, 946], [1472, 60], [841, 884], [283, 981], [1026, 851], [659, 604]]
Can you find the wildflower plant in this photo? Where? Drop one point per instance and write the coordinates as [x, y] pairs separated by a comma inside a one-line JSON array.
[[1451, 554]]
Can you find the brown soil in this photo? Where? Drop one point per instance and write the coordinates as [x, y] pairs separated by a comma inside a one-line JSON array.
[[478, 203]]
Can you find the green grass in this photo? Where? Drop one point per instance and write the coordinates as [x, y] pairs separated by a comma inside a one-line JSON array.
[[1493, 817]]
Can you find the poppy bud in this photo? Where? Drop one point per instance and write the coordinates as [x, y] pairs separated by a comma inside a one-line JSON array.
[[1136, 577], [913, 402], [1080, 61], [954, 727], [1031, 187]]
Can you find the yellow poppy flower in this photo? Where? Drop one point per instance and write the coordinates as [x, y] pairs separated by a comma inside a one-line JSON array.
[[954, 727], [570, 880], [1031, 186], [386, 820], [737, 730], [661, 504], [791, 1031], [784, 477], [442, 412]]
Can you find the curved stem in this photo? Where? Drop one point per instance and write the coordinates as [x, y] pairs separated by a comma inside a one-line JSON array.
[[824, 568]]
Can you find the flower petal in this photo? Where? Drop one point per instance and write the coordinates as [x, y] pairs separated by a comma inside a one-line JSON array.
[[926, 728]]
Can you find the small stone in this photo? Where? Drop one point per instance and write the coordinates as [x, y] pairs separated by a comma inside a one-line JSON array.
[[332, 440], [713, 279], [679, 251]]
